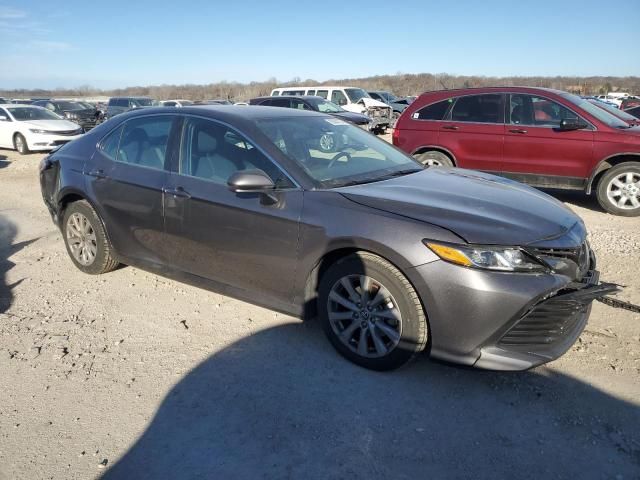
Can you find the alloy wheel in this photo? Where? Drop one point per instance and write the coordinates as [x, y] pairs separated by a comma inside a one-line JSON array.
[[623, 191], [81, 239], [364, 316]]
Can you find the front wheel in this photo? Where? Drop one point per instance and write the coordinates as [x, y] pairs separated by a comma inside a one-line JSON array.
[[371, 313], [433, 158], [618, 190], [20, 144]]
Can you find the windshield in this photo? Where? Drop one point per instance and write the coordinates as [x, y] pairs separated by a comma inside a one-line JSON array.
[[32, 113], [87, 105], [143, 102], [614, 111], [325, 106], [356, 94], [602, 115], [335, 153], [69, 106]]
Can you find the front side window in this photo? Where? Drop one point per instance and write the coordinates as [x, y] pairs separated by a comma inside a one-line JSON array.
[[338, 97], [478, 109], [435, 111], [532, 110], [214, 152], [334, 153], [144, 141], [300, 105]]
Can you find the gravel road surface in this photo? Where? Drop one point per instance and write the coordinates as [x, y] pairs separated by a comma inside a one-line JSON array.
[[134, 376]]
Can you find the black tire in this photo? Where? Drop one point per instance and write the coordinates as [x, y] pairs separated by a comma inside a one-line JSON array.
[[607, 192], [104, 260], [434, 158], [413, 332], [20, 144]]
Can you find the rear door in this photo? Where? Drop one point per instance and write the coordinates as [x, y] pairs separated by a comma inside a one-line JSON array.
[[125, 178], [245, 240], [474, 131], [537, 152]]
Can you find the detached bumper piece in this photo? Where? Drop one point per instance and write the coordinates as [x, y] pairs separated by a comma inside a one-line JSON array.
[[547, 330]]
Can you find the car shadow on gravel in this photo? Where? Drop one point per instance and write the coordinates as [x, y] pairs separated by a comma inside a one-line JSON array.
[[3, 161], [577, 198], [281, 403], [8, 233]]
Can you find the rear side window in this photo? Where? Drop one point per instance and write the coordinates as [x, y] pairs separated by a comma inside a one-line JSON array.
[[478, 109], [281, 102], [144, 141], [322, 93], [311, 92], [275, 94], [266, 102], [300, 105], [109, 144], [435, 111]]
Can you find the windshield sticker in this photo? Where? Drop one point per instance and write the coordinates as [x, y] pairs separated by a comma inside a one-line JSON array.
[[336, 121]]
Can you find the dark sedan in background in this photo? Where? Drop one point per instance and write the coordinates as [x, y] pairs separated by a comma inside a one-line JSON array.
[[82, 114], [393, 257]]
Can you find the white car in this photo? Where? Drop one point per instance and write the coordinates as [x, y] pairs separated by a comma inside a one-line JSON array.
[[28, 128]]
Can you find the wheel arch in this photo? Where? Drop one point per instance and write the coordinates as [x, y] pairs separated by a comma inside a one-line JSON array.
[[437, 148], [607, 163]]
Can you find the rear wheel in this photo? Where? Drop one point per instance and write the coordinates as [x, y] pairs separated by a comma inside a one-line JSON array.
[[371, 313], [433, 158], [20, 144], [86, 240], [618, 190]]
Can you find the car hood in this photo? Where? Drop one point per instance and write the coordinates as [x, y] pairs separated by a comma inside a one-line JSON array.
[[478, 207], [352, 117], [52, 125], [370, 102]]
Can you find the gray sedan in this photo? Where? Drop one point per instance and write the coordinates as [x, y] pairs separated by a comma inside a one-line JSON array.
[[392, 257]]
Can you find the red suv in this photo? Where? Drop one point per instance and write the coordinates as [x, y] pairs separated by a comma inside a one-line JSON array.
[[542, 137]]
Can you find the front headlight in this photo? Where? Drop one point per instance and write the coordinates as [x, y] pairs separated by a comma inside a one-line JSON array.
[[37, 130], [504, 259]]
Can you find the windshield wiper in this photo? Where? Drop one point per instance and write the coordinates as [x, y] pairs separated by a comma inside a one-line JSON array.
[[400, 173]]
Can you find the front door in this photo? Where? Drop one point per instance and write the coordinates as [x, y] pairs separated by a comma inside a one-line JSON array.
[[536, 151], [474, 131], [126, 177], [6, 129], [246, 240]]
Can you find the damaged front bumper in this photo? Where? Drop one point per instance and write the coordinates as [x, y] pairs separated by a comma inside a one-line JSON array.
[[547, 329]]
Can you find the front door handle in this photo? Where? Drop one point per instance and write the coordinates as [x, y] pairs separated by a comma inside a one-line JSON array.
[[176, 192], [451, 127], [518, 130], [97, 173]]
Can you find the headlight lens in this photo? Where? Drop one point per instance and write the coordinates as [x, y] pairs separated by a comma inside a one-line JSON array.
[[504, 259], [36, 130]]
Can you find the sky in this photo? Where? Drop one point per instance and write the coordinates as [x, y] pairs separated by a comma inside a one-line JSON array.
[[118, 43]]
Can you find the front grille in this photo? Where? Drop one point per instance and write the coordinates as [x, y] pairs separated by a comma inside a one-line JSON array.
[[68, 133], [573, 262], [547, 323]]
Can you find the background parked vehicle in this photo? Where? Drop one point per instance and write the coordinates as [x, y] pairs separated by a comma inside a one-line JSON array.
[[328, 143], [546, 138], [27, 128], [215, 101], [352, 99], [503, 273], [83, 114], [118, 105], [635, 111], [176, 103], [396, 103], [629, 102]]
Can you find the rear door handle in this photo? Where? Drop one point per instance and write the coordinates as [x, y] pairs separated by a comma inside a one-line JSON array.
[[176, 192], [97, 173], [518, 130], [451, 127]]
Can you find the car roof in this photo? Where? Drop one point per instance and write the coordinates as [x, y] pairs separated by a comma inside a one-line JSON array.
[[459, 91], [303, 97], [13, 105], [226, 112]]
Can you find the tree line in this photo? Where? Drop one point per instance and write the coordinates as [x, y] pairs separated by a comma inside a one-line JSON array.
[[400, 84]]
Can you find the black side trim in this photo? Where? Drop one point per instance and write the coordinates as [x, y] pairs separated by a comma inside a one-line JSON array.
[[548, 181]]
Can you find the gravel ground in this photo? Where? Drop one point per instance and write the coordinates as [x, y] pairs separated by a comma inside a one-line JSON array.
[[131, 375]]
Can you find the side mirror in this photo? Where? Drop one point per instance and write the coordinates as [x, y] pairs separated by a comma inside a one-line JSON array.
[[572, 124], [247, 181]]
